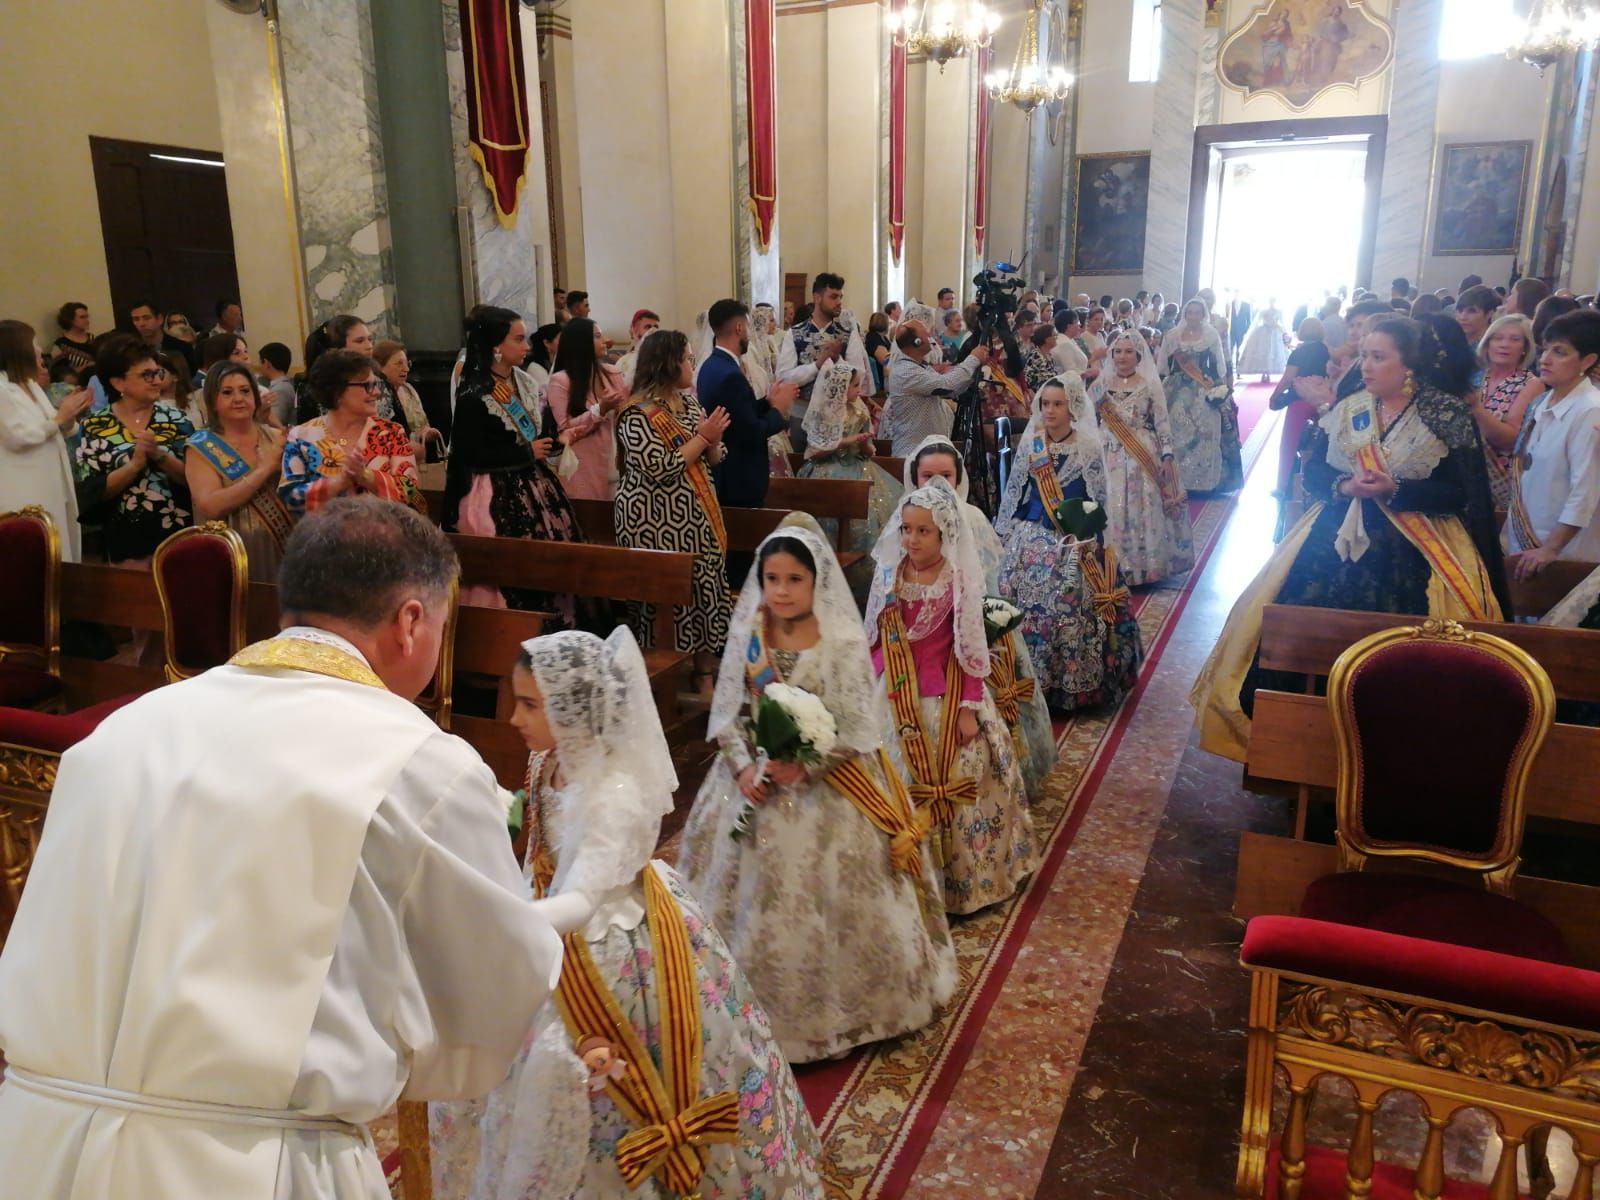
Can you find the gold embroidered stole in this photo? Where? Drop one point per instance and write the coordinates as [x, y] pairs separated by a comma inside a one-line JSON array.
[[672, 1121], [1470, 590], [303, 654], [1009, 691], [894, 815], [670, 430], [934, 786]]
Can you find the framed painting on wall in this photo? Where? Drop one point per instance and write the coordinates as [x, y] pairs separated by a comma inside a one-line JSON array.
[[1296, 50], [1111, 195], [1482, 188]]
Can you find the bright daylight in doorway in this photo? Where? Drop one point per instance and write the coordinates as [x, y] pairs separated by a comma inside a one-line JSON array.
[[1289, 225]]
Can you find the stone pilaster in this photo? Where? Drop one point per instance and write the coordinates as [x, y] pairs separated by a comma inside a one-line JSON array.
[[1172, 146], [1409, 154]]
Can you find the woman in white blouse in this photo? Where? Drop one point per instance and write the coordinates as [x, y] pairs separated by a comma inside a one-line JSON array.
[[35, 467]]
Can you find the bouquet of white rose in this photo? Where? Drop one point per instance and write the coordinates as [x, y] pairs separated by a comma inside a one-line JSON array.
[[789, 725], [999, 618]]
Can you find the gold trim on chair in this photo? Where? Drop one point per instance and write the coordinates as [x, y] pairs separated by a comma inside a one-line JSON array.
[[27, 775], [240, 591], [50, 652], [1498, 864], [439, 697]]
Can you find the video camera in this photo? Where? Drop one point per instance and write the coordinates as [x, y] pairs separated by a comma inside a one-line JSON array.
[[999, 285]]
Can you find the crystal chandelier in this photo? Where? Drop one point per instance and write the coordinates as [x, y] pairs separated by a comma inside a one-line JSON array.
[[944, 29], [1555, 28], [1031, 81]]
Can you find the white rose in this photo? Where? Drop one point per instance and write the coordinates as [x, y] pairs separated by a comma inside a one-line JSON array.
[[1089, 506]]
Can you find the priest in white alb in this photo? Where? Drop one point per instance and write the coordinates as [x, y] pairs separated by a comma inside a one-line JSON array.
[[268, 902]]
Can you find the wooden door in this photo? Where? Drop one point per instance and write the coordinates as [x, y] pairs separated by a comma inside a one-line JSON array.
[[166, 226], [794, 288]]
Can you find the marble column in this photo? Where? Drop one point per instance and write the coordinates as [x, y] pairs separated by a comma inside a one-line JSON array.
[[331, 97], [1208, 86], [1172, 147], [1409, 152], [1557, 191], [504, 265]]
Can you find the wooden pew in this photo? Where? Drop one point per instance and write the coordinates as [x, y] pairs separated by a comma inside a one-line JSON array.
[[1537, 596], [747, 527], [839, 500], [1292, 745]]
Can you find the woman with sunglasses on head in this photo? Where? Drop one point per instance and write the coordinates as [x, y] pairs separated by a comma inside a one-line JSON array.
[[130, 457], [349, 449]]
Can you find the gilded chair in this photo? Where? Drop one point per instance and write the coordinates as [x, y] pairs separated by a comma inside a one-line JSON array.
[[438, 699], [202, 578], [1413, 968], [31, 746], [30, 610]]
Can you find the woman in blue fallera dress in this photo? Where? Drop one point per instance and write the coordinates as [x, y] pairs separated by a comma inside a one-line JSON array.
[[1076, 620]]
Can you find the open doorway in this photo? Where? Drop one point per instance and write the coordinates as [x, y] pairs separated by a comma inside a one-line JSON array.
[[1284, 212]]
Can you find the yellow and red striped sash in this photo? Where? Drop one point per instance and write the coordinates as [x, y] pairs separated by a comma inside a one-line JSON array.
[[1009, 691], [1419, 530], [894, 815], [670, 430], [1517, 513], [934, 787], [1100, 573], [541, 866], [672, 1121], [1043, 469], [1112, 420]]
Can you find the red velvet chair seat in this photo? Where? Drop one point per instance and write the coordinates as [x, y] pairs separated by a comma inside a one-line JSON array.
[[56, 732], [23, 687], [1435, 909], [198, 579], [1510, 985]]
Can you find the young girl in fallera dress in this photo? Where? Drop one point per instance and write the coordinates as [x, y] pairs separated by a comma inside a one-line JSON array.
[[1080, 631], [1012, 681], [652, 1074], [830, 902], [924, 622]]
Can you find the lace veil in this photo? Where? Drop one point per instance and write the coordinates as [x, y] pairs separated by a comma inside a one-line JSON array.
[[984, 537], [1146, 369], [1087, 444], [964, 566], [825, 416], [613, 754], [848, 683]]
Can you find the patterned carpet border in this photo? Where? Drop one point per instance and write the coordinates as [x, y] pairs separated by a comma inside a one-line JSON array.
[[877, 1127]]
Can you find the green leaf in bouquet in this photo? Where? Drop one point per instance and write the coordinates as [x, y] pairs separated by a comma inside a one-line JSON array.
[[776, 732], [1077, 518]]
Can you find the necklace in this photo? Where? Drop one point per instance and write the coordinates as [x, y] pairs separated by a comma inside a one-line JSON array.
[[343, 439], [914, 573]]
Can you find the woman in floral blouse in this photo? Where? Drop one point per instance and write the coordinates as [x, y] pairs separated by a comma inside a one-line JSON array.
[[349, 450], [130, 458]]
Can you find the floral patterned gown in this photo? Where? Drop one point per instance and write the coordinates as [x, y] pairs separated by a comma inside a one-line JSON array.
[[990, 847], [1152, 541], [777, 1153], [855, 462], [841, 947], [152, 507], [1083, 640], [312, 458], [1205, 427]]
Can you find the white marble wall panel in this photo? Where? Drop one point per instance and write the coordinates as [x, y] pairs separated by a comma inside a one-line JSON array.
[[1208, 87], [502, 265], [1409, 154], [1580, 121], [331, 95], [758, 279], [1172, 146]]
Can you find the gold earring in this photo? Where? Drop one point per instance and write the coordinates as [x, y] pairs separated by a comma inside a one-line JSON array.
[[1410, 387]]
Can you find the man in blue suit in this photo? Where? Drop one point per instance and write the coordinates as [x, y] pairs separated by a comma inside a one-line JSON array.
[[743, 472]]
